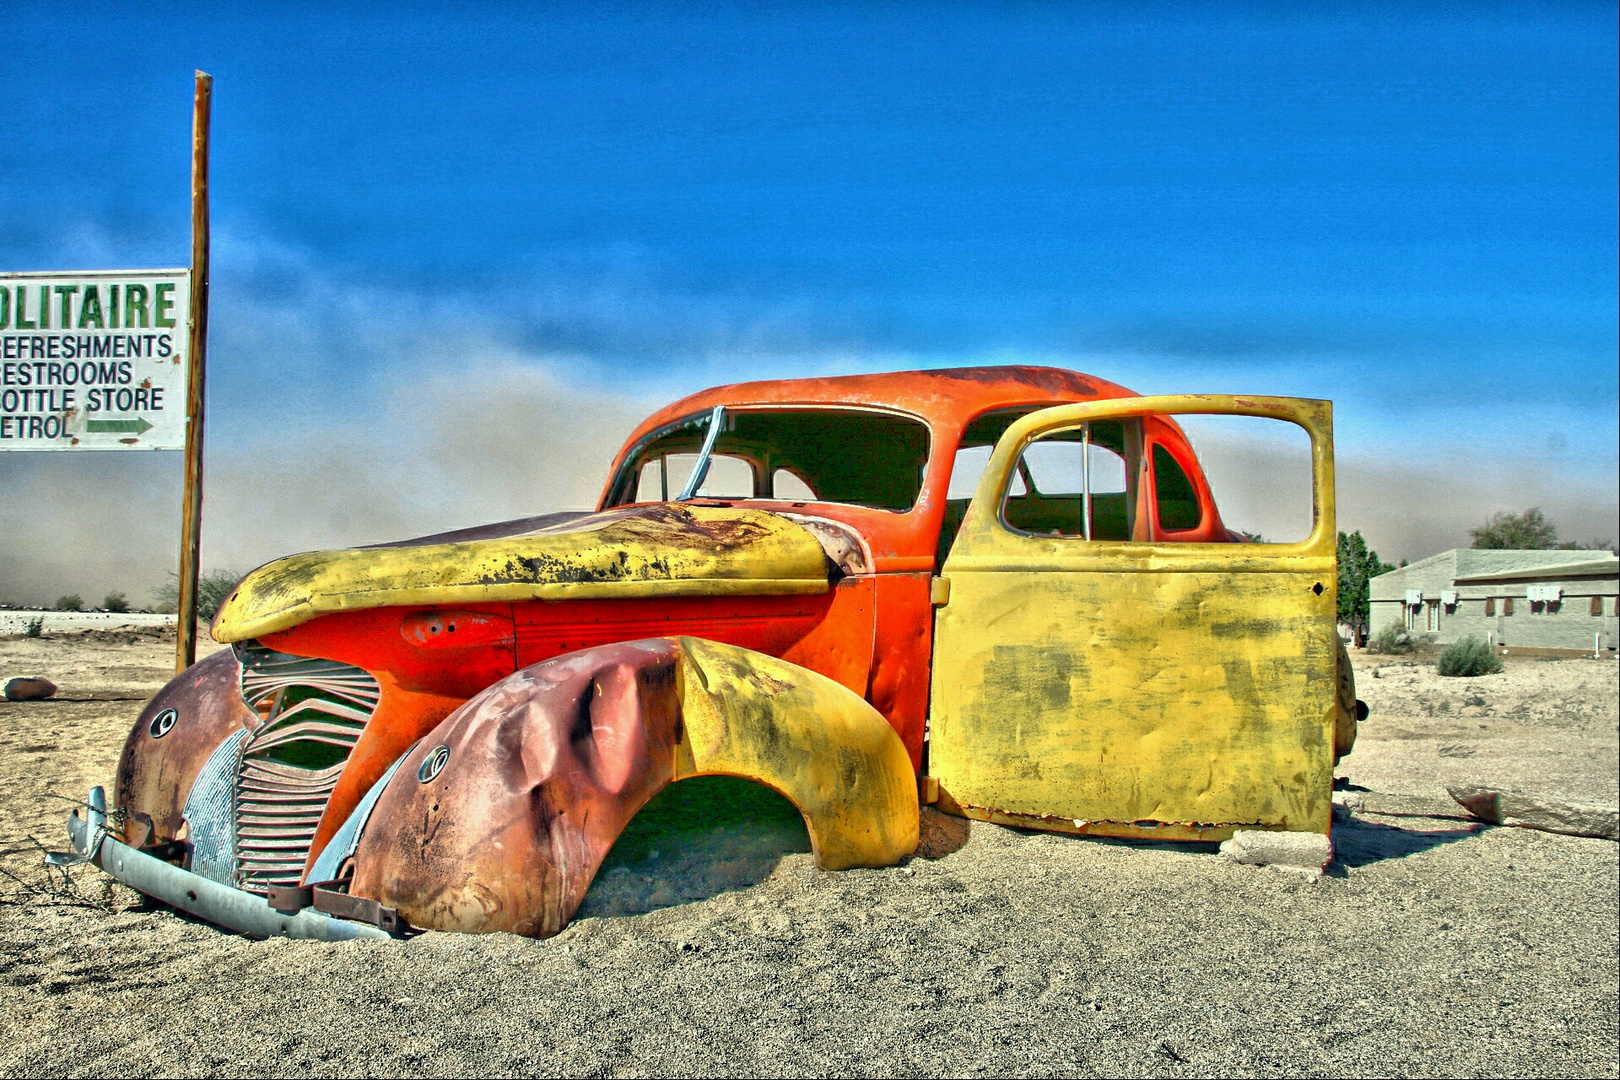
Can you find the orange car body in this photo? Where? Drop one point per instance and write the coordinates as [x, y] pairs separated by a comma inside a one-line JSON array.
[[869, 628]]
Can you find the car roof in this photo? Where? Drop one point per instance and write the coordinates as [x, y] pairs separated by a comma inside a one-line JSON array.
[[944, 397]]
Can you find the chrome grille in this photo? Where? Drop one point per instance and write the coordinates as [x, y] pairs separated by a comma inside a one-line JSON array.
[[312, 712], [210, 815]]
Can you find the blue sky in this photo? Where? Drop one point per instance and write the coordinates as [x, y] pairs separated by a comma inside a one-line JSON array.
[[1410, 209]]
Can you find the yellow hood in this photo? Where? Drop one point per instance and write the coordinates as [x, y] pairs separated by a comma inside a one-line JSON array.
[[674, 549]]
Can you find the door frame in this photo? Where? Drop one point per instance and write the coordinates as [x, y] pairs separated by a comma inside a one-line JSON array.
[[986, 545]]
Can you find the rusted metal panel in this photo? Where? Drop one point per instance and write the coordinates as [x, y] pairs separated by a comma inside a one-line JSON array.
[[653, 551], [537, 777], [1138, 688], [499, 820], [830, 633], [170, 742], [901, 655]]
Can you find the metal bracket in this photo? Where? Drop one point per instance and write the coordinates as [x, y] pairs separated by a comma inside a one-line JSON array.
[[325, 898], [289, 899], [170, 851]]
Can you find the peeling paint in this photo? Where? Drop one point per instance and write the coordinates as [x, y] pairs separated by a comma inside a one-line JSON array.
[[1138, 688], [648, 551]]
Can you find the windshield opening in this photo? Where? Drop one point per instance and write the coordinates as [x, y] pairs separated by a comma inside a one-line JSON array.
[[798, 455]]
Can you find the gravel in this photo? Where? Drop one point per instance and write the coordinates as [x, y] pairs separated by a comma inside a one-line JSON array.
[[1434, 944]]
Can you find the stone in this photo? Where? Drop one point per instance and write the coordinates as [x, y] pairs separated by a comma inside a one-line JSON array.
[[1507, 806], [1346, 804], [1304, 851], [24, 689]]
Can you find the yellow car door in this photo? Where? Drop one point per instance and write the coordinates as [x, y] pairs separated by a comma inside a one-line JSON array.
[[1121, 687]]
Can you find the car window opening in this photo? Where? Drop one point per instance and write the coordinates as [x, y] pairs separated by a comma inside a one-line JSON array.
[[1079, 483], [979, 440], [1175, 499], [861, 457]]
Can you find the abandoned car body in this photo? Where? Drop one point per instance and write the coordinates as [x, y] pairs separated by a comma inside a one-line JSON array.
[[783, 582]]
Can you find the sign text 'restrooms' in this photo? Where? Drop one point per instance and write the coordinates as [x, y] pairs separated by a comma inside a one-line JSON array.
[[94, 360]]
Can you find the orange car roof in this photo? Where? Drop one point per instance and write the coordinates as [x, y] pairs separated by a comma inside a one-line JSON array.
[[942, 396]]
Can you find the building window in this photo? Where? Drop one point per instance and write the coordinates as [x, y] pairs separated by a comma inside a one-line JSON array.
[[1490, 605], [1433, 611], [1597, 605], [1507, 605]]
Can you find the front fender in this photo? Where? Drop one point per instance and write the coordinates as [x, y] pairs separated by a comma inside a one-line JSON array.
[[1350, 710], [499, 818], [160, 764]]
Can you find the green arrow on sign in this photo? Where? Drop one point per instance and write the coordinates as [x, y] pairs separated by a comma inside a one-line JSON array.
[[137, 426]]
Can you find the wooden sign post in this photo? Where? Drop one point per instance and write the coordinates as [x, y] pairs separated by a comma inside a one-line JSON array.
[[185, 650], [93, 360]]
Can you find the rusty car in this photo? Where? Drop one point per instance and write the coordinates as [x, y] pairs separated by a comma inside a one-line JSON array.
[[856, 591]]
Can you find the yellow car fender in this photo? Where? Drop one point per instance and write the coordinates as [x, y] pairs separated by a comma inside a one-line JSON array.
[[820, 745]]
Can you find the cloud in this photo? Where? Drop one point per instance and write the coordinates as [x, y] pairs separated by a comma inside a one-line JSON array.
[[499, 437], [346, 413], [1408, 510]]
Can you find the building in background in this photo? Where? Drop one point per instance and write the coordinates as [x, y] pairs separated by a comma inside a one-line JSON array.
[[1524, 599]]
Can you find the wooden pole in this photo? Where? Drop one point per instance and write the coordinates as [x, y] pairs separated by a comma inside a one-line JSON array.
[[185, 653]]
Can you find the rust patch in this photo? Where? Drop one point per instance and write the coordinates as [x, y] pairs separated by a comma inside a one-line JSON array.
[[543, 771], [1052, 380], [1149, 829], [155, 774]]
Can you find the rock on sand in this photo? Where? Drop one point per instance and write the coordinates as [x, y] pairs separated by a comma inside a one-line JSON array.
[[23, 689], [1305, 851], [1505, 806]]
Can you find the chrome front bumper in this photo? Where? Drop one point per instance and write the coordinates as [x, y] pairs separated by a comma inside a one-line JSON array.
[[208, 900]]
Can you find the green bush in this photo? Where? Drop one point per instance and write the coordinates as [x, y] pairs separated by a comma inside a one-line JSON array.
[[1469, 657], [115, 601], [213, 586], [1395, 640], [70, 602]]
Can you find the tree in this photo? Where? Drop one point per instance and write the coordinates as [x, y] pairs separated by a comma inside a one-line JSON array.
[[1590, 545], [213, 586], [1529, 531], [1357, 567]]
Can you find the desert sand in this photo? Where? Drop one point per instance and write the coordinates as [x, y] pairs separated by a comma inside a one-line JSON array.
[[1433, 945]]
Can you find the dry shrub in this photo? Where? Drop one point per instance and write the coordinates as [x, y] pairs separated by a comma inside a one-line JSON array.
[[1468, 658]]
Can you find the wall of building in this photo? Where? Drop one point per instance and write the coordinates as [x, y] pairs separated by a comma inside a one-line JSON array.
[[1567, 624]]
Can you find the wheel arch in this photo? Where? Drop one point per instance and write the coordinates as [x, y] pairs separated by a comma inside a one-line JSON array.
[[541, 773]]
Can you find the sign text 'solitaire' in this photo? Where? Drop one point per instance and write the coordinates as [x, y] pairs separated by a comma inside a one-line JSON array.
[[94, 360]]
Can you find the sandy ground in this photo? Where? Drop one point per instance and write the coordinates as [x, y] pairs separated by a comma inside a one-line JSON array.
[[15, 621], [1433, 946]]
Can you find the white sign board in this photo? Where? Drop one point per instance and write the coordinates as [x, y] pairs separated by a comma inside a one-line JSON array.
[[94, 360]]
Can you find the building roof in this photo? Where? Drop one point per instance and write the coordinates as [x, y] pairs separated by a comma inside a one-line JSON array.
[[1604, 565], [1478, 565]]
